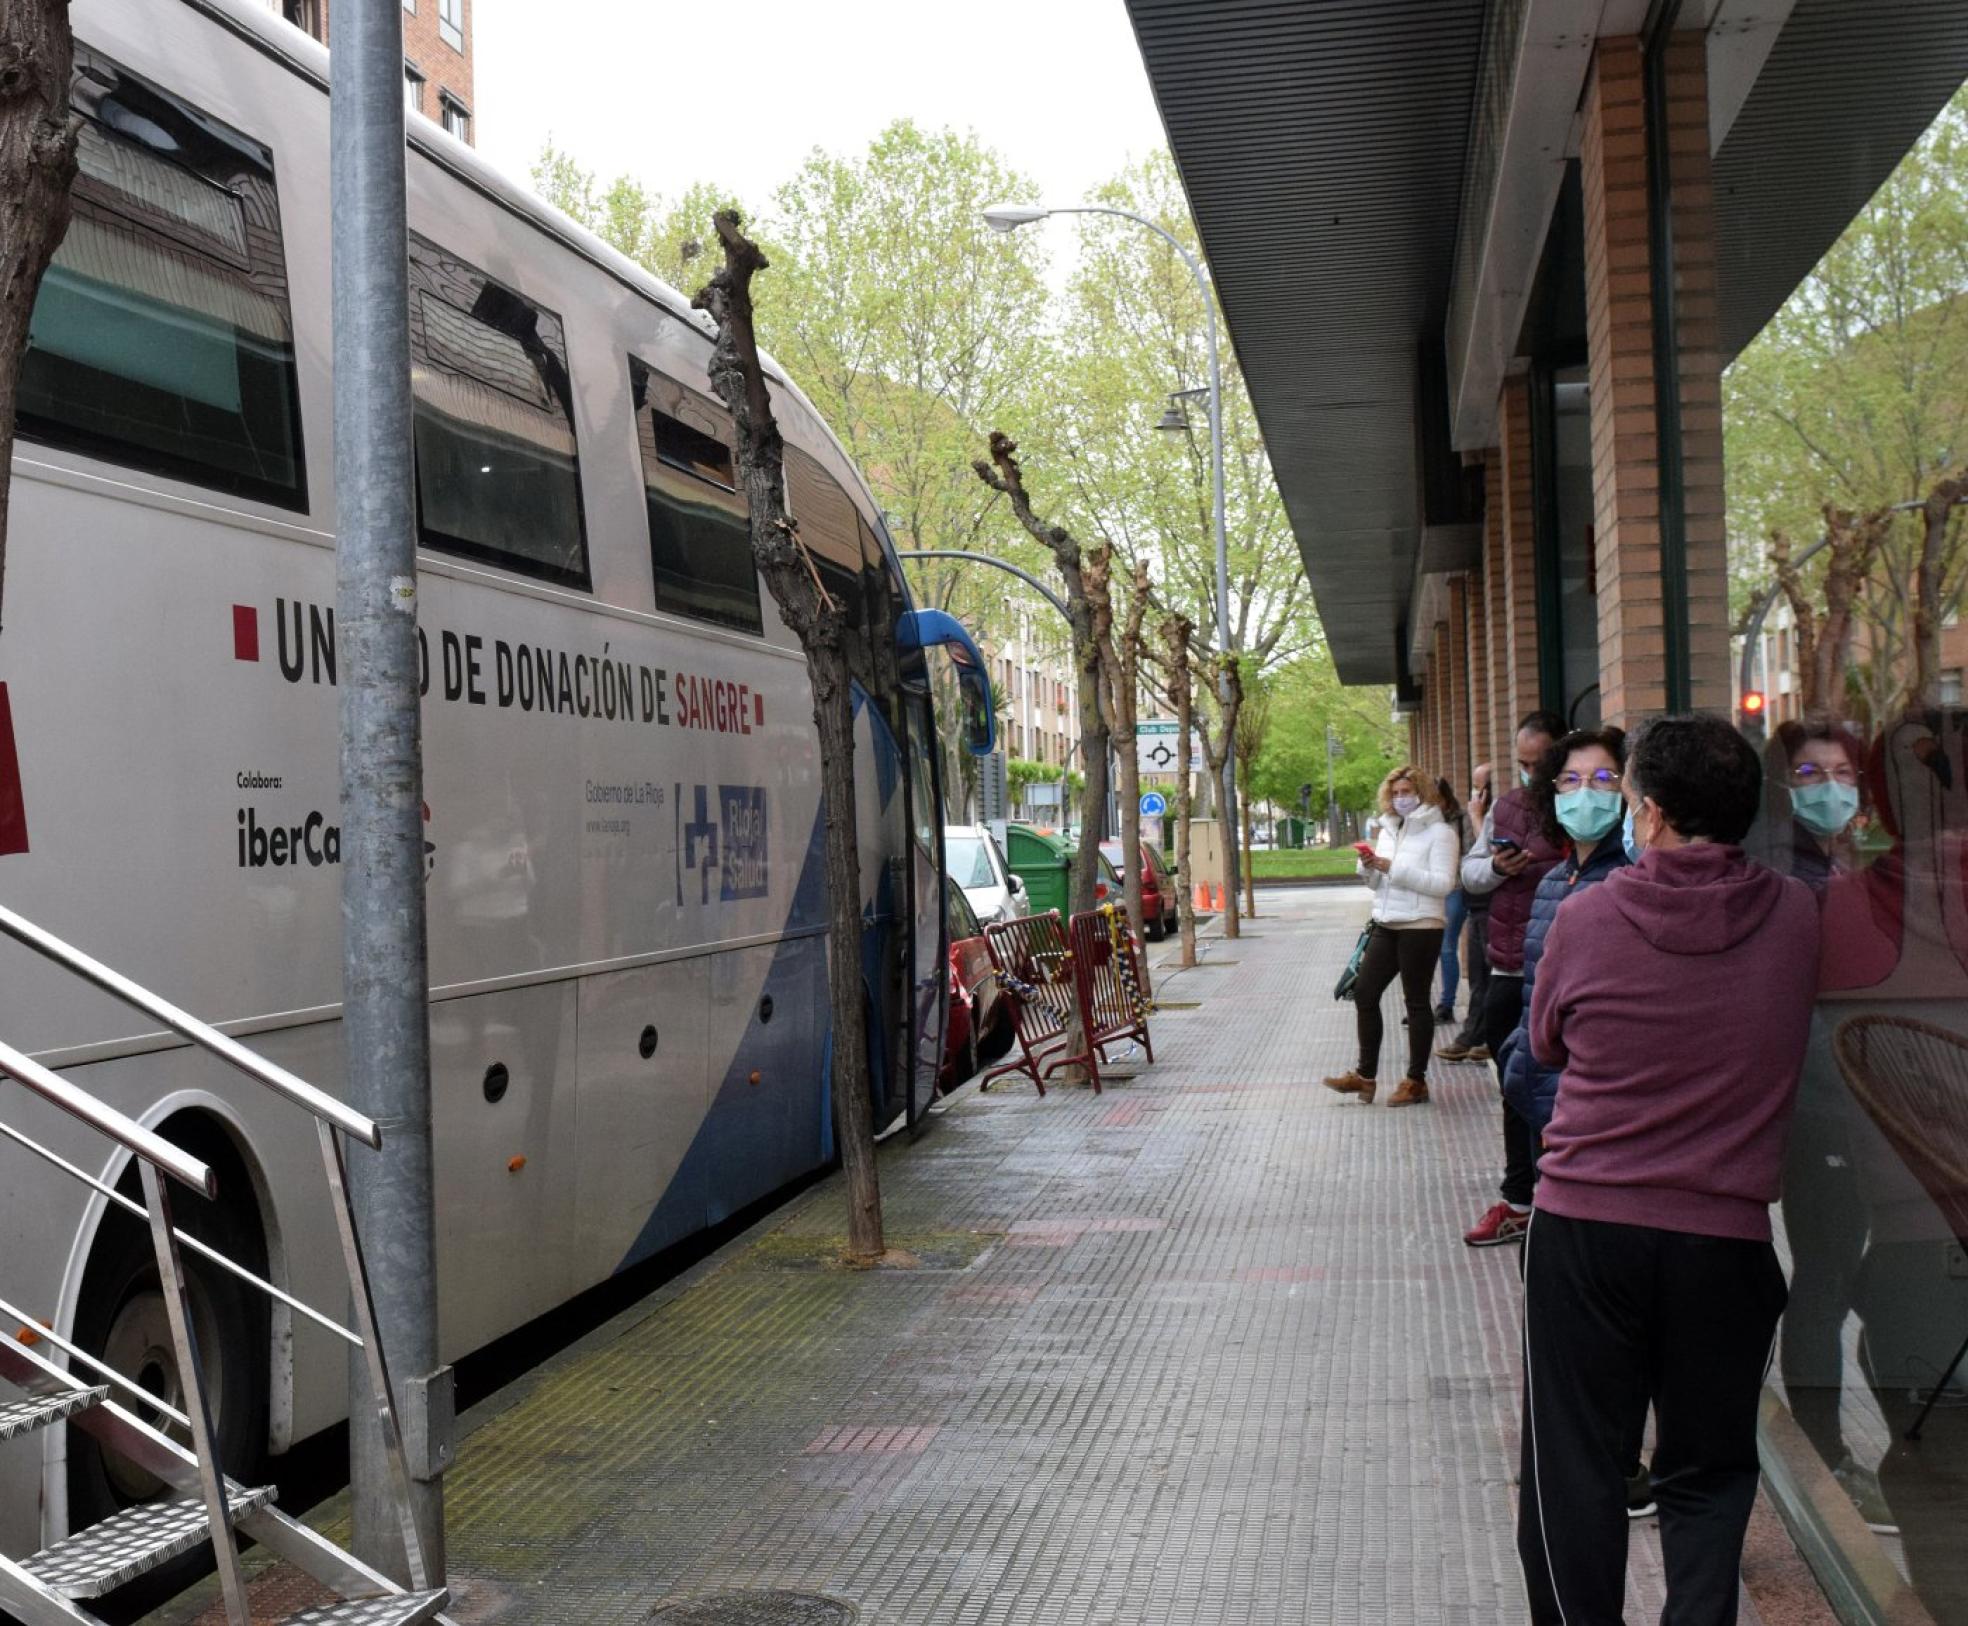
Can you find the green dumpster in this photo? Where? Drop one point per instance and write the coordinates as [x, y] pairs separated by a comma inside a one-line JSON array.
[[1044, 863]]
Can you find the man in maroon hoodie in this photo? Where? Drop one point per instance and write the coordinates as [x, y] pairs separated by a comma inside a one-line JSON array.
[[1676, 997]]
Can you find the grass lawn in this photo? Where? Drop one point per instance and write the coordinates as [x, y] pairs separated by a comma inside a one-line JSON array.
[[1290, 863]]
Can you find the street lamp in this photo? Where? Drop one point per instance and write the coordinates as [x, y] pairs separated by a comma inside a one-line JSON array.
[[1009, 217]]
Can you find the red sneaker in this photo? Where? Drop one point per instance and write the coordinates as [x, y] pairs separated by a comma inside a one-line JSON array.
[[1500, 1225]]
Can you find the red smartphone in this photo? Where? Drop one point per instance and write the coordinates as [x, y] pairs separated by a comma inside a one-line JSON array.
[[1364, 848]]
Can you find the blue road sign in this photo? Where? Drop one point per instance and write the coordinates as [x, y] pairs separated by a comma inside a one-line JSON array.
[[1153, 804]]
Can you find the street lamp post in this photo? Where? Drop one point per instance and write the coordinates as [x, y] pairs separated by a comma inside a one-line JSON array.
[[1009, 217], [1332, 801]]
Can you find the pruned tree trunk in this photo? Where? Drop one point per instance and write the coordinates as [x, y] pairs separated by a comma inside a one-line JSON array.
[[1803, 616], [1120, 663], [1003, 474], [1176, 632], [834, 654], [1929, 573], [37, 168]]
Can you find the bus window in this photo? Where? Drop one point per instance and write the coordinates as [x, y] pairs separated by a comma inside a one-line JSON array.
[[831, 530], [700, 545], [162, 338], [498, 477]]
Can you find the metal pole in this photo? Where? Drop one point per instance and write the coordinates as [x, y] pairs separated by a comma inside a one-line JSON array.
[[1031, 581], [385, 1014], [1332, 800]]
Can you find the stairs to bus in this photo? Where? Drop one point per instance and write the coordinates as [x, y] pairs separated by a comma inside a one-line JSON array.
[[47, 1380], [56, 1583]]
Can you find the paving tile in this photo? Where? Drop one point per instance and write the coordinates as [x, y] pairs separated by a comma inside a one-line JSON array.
[[1206, 1348]]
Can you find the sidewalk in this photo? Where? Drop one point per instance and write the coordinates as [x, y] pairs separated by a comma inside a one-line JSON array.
[[1207, 1348]]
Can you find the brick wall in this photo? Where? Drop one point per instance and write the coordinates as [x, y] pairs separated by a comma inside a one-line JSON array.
[[1497, 633], [1455, 765], [1476, 648], [444, 67], [1620, 338], [1519, 557]]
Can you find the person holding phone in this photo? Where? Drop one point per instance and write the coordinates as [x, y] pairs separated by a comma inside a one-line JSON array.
[[1411, 868]]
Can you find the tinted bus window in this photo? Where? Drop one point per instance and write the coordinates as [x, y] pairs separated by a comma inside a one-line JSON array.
[[498, 477], [700, 546], [161, 338], [831, 529]]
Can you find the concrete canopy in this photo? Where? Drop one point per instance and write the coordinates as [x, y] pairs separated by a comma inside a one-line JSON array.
[[1326, 147]]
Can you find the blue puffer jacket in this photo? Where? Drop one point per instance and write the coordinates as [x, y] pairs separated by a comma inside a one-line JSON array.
[[1530, 1087]]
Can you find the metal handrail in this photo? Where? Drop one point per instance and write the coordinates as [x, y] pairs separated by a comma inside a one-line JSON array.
[[185, 1239], [332, 1121], [125, 1131], [202, 1034], [130, 1386]]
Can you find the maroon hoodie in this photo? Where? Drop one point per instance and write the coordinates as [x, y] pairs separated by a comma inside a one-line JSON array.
[[1677, 998]]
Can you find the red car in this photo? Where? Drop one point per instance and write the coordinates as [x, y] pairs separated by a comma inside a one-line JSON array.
[[979, 1029], [1158, 896]]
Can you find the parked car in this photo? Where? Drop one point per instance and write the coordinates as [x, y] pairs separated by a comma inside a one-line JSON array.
[[979, 1029], [972, 859], [1158, 897]]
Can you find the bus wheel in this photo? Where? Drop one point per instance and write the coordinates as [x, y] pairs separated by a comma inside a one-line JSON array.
[[123, 1319]]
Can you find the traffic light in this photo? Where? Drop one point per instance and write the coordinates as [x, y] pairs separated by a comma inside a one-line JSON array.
[[1752, 705]]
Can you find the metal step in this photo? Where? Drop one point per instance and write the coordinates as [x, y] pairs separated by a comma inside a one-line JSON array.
[[101, 1558], [25, 1416], [402, 1609]]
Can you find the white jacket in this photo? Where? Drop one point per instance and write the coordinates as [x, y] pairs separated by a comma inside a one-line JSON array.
[[1422, 851]]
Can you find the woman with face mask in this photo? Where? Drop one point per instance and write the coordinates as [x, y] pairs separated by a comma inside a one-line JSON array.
[[1811, 798], [1412, 870]]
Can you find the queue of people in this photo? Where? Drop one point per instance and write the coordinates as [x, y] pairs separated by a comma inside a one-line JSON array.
[[1644, 1124]]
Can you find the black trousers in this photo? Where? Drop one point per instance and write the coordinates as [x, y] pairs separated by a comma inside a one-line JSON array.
[[1503, 1008], [1477, 975], [1411, 955], [1616, 1316]]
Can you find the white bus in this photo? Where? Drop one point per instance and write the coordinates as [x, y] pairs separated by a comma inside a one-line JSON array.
[[627, 950]]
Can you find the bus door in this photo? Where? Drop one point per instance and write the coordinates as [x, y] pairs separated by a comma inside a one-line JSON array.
[[929, 959]]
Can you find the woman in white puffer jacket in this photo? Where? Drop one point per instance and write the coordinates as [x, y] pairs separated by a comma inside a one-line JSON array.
[[1417, 854]]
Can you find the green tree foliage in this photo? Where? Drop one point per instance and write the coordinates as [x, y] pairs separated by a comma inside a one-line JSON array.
[[1134, 333], [1856, 393], [1305, 699]]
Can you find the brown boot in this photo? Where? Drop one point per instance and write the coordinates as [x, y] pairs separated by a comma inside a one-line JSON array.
[[1412, 1093], [1353, 1084]]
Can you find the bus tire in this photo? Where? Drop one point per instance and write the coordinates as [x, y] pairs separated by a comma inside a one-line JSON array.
[[121, 1317]]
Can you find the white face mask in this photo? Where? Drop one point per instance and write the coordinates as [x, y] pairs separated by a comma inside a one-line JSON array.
[[1405, 805]]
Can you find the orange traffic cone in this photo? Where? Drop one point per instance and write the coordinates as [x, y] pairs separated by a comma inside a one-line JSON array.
[[1218, 900], [1202, 898]]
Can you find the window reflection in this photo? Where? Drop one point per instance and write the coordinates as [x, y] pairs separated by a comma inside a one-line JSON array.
[[1875, 1208]]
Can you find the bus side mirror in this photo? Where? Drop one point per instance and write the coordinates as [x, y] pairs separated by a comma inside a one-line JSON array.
[[926, 629]]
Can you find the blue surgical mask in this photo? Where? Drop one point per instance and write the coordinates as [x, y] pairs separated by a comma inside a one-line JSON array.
[[1825, 809], [1628, 840], [1588, 814], [1524, 777]]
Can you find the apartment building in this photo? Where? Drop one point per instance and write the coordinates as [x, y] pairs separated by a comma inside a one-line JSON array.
[[437, 55]]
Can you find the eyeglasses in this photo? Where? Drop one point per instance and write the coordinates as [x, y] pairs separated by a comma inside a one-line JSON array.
[[1806, 774], [1598, 779]]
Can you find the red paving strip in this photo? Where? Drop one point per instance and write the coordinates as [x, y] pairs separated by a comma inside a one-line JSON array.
[[1062, 1233], [1124, 1116], [1280, 1273], [993, 1295]]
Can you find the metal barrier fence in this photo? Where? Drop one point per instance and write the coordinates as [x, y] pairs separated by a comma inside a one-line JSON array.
[[1034, 968], [1075, 989], [1112, 992]]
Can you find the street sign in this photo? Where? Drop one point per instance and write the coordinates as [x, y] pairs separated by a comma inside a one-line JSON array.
[[1153, 804], [1157, 744]]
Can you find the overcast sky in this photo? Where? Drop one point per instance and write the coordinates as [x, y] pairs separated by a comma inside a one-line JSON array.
[[627, 85]]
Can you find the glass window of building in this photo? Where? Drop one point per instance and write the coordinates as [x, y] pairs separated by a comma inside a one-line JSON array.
[[498, 476], [457, 118], [162, 337], [413, 89], [451, 23]]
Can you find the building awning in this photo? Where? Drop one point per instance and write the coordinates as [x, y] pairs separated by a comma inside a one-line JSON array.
[[1325, 149]]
